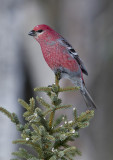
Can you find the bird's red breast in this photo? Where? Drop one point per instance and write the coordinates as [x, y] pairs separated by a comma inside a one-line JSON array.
[[57, 56]]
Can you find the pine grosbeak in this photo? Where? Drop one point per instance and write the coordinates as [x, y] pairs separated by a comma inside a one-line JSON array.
[[60, 56]]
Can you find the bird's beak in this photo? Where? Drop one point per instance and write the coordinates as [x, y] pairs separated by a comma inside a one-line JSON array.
[[32, 33]]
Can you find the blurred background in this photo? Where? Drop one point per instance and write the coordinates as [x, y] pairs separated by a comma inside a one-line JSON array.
[[88, 26]]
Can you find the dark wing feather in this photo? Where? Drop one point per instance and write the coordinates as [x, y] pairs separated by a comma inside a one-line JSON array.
[[81, 65], [74, 54]]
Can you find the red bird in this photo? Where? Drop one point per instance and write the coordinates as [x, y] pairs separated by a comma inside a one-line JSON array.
[[60, 56]]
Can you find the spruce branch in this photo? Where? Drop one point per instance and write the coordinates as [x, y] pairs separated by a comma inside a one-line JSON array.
[[47, 135], [6, 112], [28, 142], [42, 89], [22, 153], [68, 89], [12, 116], [43, 102], [51, 118], [24, 104]]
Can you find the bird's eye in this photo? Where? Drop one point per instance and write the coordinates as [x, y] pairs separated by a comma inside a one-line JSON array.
[[39, 31]]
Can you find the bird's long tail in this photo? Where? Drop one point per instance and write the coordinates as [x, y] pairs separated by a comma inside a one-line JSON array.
[[88, 99]]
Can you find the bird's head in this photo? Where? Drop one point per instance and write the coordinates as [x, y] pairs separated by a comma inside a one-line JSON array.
[[43, 32]]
